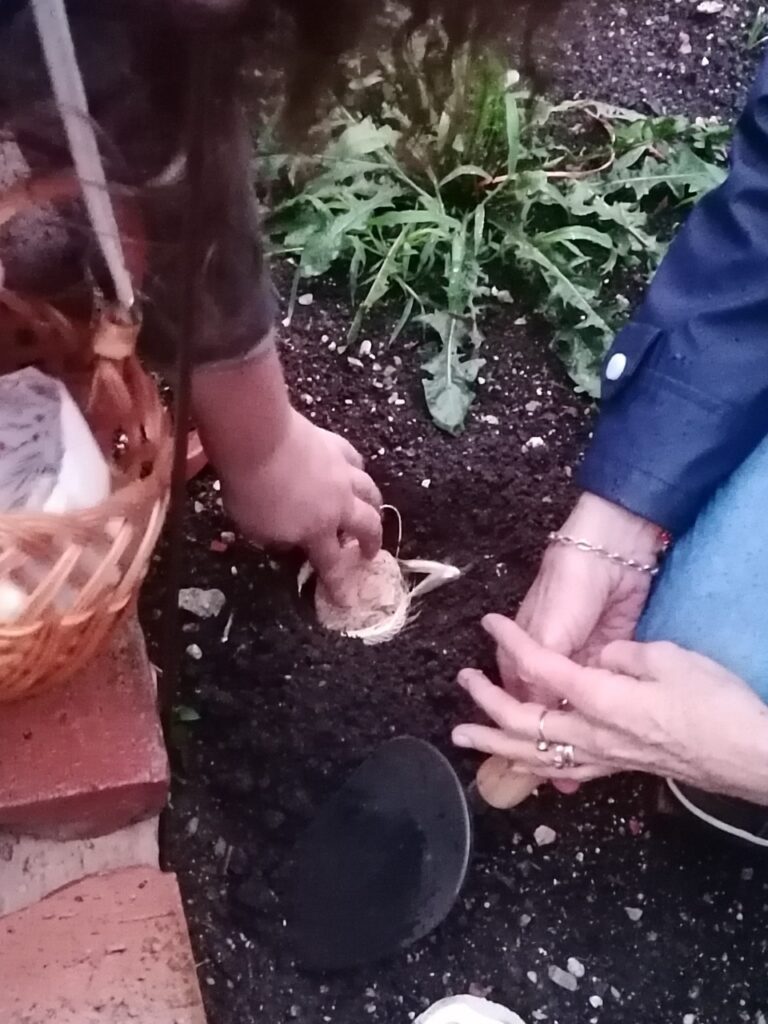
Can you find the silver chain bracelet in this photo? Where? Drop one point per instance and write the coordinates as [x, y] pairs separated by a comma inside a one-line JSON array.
[[611, 556]]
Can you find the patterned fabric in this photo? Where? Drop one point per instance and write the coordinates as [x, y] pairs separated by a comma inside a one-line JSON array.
[[31, 447]]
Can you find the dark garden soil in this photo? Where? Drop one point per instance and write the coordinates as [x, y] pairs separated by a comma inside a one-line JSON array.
[[669, 926]]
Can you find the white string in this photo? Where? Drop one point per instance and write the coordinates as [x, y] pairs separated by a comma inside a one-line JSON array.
[[58, 47]]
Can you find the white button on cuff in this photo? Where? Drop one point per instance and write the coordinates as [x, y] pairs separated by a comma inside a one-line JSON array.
[[617, 364]]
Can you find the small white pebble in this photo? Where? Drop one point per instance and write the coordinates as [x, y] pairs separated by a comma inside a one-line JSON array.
[[576, 967], [595, 1002], [286, 321], [306, 299], [194, 652], [358, 363], [365, 348], [534, 442], [562, 978], [426, 483], [532, 976], [324, 339], [689, 1018], [633, 913], [544, 835], [491, 420]]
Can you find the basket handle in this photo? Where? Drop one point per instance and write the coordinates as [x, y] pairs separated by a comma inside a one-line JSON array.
[[60, 56]]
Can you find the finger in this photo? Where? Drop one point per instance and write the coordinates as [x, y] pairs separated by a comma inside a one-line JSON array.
[[495, 741], [364, 524], [365, 489], [325, 554], [568, 780], [522, 720], [525, 758], [569, 787], [350, 453], [539, 620], [597, 692], [626, 657]]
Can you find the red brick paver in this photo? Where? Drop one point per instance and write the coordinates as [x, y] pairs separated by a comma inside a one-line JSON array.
[[87, 758], [112, 949]]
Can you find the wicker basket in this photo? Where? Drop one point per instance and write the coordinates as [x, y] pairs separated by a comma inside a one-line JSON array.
[[94, 560]]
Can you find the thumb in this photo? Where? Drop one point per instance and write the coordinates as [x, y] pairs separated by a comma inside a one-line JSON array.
[[545, 623]]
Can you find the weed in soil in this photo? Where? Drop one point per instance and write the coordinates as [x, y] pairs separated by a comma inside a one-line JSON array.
[[444, 193]]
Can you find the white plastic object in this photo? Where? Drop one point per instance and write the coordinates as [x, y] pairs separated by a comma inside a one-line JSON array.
[[468, 1010]]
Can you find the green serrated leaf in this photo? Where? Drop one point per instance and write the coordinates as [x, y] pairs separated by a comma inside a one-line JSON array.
[[448, 387], [360, 139]]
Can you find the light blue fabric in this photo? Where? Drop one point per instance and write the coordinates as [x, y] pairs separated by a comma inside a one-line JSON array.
[[712, 594]]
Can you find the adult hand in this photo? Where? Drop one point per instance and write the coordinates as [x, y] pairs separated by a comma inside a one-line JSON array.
[[580, 601], [645, 707], [311, 491]]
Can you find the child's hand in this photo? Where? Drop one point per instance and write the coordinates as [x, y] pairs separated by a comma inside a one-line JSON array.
[[309, 492]]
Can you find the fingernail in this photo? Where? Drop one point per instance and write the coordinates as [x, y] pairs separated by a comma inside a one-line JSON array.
[[461, 739], [464, 678]]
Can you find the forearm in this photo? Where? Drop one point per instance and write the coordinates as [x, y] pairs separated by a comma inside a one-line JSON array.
[[242, 410]]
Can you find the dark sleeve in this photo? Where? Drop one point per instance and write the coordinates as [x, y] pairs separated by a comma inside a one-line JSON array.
[[238, 302], [134, 57], [685, 384]]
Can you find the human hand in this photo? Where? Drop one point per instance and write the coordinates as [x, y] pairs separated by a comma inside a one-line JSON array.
[[644, 707], [310, 491], [579, 602]]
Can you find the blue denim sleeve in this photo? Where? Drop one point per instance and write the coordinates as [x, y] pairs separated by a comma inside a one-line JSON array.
[[685, 384]]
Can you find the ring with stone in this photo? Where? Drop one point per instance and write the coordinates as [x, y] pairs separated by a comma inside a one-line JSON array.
[[542, 743], [564, 756]]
